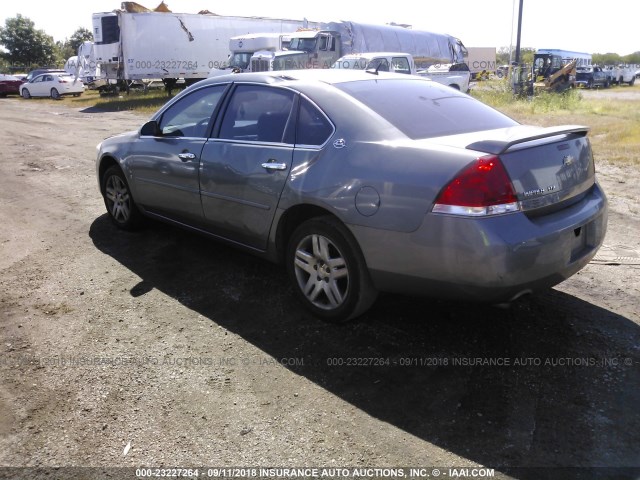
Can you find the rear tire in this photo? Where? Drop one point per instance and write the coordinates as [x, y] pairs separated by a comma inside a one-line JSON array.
[[328, 271], [118, 199], [55, 94]]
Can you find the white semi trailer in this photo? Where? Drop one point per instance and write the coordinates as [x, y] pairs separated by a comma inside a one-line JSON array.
[[320, 48], [170, 46], [481, 59]]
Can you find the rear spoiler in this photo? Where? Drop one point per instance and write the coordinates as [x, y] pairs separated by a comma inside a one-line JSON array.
[[497, 147]]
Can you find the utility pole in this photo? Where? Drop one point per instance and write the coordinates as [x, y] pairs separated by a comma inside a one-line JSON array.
[[519, 33]]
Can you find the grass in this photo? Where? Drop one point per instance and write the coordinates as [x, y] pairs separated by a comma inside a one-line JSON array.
[[137, 101], [613, 115]]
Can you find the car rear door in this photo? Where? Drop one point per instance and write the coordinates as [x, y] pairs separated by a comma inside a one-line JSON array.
[[245, 167]]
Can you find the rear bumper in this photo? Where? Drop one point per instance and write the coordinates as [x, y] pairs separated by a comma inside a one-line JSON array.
[[490, 259]]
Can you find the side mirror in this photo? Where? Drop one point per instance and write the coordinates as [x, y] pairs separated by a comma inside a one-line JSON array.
[[151, 129]]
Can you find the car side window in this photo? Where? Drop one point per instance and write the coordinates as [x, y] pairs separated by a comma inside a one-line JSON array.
[[259, 113], [401, 65], [190, 116], [313, 126], [380, 64]]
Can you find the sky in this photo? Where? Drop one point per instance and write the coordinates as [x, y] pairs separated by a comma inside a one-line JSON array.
[[564, 24]]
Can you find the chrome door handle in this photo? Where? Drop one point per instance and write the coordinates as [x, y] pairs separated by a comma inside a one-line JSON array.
[[274, 166], [186, 156]]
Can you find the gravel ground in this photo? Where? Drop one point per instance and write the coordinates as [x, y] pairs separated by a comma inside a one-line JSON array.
[[164, 349]]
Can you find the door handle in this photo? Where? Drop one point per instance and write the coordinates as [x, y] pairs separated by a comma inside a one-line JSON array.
[[274, 166], [186, 156]]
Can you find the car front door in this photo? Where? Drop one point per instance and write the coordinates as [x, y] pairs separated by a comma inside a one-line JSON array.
[[245, 167], [165, 165], [37, 87]]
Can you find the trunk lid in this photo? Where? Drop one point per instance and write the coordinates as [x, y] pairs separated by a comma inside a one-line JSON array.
[[550, 167]]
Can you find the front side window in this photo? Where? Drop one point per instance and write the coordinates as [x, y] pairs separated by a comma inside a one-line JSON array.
[[379, 64], [259, 113], [190, 116]]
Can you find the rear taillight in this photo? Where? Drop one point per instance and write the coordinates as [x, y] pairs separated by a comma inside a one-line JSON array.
[[481, 188]]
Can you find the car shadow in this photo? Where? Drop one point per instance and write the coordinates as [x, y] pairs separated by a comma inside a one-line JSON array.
[[550, 382]]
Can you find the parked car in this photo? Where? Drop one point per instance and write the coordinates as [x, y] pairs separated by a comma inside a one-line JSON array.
[[54, 85], [39, 71], [502, 71], [593, 76], [362, 182], [621, 74], [9, 85]]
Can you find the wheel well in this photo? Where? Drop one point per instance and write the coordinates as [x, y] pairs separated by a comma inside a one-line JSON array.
[[105, 163], [290, 221]]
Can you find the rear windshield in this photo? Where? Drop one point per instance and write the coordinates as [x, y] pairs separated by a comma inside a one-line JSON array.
[[421, 109]]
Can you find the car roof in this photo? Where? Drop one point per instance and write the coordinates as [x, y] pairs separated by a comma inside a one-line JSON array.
[[56, 73], [329, 76], [46, 70]]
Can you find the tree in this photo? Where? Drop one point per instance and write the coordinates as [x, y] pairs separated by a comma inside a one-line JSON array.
[[606, 59], [63, 51], [24, 44], [526, 55], [632, 59], [70, 46], [80, 36]]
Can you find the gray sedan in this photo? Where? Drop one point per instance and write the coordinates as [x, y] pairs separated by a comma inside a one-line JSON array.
[[362, 182]]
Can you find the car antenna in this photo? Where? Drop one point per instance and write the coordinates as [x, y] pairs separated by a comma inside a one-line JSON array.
[[374, 71]]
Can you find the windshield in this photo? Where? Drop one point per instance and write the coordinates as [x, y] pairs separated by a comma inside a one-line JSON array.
[[303, 44], [240, 60], [422, 109]]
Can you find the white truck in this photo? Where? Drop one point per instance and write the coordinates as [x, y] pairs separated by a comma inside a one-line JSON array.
[[404, 63], [622, 74], [169, 46], [320, 48], [243, 47], [481, 61]]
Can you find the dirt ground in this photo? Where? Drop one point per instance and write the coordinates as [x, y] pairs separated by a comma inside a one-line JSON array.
[[163, 349]]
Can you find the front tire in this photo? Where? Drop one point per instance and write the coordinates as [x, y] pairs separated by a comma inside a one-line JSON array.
[[25, 94], [118, 199], [328, 271]]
